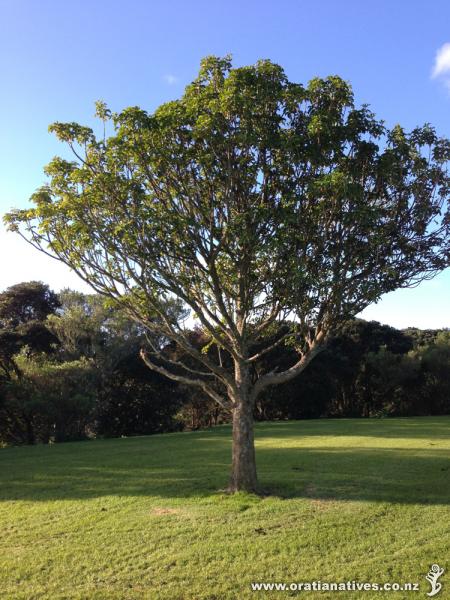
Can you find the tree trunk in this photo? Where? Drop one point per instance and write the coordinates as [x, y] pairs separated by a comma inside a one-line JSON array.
[[243, 469], [29, 430]]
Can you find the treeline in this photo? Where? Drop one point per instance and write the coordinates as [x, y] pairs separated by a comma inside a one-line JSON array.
[[70, 369]]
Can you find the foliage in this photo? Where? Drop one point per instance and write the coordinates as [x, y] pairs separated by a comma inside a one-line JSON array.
[[50, 402], [93, 382], [136, 401], [434, 360], [367, 370], [130, 400], [23, 311], [27, 302]]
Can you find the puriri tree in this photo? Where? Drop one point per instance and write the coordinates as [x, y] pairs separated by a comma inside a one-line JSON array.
[[250, 200]]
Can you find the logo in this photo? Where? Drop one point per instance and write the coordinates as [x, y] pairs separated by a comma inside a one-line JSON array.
[[433, 575]]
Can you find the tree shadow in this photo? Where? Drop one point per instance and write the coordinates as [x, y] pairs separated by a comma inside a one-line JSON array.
[[358, 474], [398, 427], [196, 465]]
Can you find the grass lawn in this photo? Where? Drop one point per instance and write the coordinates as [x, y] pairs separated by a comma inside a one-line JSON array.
[[364, 500]]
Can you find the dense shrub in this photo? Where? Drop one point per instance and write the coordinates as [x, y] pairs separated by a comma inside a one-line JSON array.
[[49, 402]]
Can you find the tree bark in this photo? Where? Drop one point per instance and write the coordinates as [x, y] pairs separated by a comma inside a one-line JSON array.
[[243, 466], [30, 437]]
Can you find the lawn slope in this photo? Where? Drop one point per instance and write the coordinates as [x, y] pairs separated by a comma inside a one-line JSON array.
[[364, 500]]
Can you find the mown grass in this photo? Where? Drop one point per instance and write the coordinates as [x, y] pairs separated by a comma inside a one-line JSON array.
[[132, 518]]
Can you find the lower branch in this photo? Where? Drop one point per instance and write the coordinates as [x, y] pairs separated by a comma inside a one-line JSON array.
[[277, 378], [186, 380]]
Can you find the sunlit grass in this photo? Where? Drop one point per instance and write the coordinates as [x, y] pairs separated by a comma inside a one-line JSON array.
[[363, 500]]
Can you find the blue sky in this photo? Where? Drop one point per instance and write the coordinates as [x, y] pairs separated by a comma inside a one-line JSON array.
[[57, 58]]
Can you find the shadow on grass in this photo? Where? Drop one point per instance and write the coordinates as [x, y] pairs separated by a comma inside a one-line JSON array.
[[407, 427], [367, 474], [196, 465]]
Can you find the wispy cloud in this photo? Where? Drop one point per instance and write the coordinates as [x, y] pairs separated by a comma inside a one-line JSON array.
[[172, 80], [441, 67]]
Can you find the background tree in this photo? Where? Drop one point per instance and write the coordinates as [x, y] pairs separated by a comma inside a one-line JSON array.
[[27, 302], [432, 395], [136, 401], [356, 375], [78, 374], [24, 309], [130, 400], [251, 199], [51, 401], [350, 361]]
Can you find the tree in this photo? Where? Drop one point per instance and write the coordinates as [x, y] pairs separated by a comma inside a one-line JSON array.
[[434, 360], [251, 200], [50, 402], [350, 355], [24, 309], [26, 302], [136, 401], [360, 366], [130, 399]]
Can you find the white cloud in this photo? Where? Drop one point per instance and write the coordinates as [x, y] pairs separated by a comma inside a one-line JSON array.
[[172, 80], [441, 67]]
